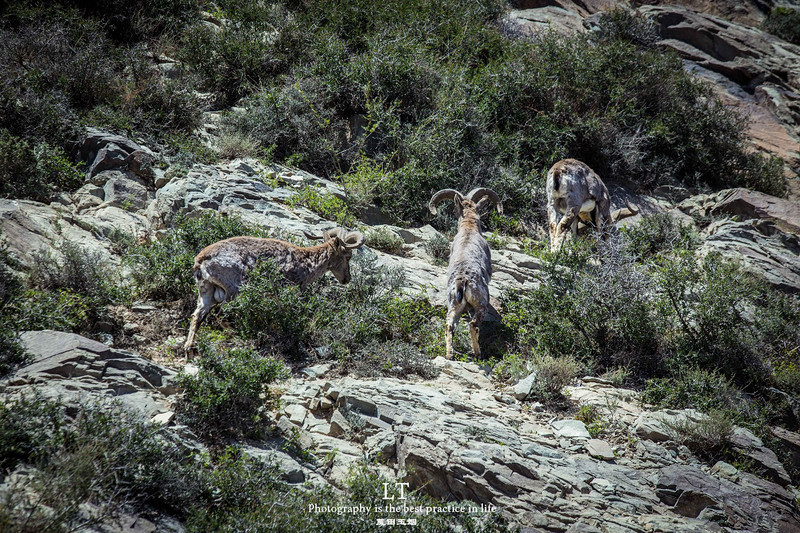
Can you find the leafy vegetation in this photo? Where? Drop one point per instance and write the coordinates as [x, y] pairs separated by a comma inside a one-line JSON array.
[[351, 323], [67, 65], [784, 21], [12, 353], [326, 205], [67, 292], [698, 334], [83, 468], [397, 108], [395, 100], [229, 393], [385, 240], [34, 171], [660, 232]]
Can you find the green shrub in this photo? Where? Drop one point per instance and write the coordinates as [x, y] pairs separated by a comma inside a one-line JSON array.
[[363, 184], [706, 437], [60, 309], [602, 313], [659, 232], [234, 145], [253, 507], [617, 376], [101, 455], [160, 106], [364, 325], [228, 61], [12, 354], [694, 388], [385, 240], [707, 308], [36, 171], [77, 269], [401, 105], [229, 393], [271, 308], [69, 57], [69, 294], [591, 417], [392, 358], [552, 375], [291, 119], [627, 25], [325, 205], [438, 248], [183, 151], [784, 21]]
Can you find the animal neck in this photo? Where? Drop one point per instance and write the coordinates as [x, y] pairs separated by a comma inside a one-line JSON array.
[[315, 261], [470, 220]]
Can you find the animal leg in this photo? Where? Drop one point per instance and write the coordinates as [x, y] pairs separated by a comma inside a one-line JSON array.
[[205, 301], [553, 218], [450, 327], [474, 331], [569, 220]]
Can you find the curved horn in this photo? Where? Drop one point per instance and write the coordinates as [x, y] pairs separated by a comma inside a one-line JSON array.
[[444, 194], [477, 194], [313, 237], [354, 239], [624, 212], [334, 232]]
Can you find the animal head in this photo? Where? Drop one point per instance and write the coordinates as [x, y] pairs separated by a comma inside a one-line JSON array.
[[343, 243], [472, 203]]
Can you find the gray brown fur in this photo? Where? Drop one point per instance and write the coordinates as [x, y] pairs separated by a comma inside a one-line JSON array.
[[576, 193], [470, 267], [220, 268]]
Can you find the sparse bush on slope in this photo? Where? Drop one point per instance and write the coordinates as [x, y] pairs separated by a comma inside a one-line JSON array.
[[784, 21], [366, 325], [229, 395], [67, 65], [451, 101], [696, 333]]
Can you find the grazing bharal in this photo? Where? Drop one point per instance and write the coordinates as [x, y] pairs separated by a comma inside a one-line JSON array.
[[575, 192], [220, 268]]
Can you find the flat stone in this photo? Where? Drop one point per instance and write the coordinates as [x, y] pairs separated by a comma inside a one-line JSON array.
[[600, 449], [571, 429], [316, 371], [296, 413], [339, 424], [726, 471], [603, 486], [163, 418], [523, 387]]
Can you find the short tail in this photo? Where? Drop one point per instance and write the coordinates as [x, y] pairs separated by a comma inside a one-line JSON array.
[[461, 283], [196, 271]]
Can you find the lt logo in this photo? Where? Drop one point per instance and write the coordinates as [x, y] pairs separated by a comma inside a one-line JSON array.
[[396, 485]]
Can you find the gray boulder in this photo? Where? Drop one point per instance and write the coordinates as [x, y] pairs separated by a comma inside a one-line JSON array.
[[74, 368]]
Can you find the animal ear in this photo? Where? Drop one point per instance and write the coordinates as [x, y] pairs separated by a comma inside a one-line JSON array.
[[340, 245], [459, 206]]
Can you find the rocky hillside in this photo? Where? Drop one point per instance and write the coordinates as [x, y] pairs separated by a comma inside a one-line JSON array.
[[650, 383]]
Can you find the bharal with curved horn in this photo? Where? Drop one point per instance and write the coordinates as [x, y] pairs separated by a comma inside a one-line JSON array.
[[470, 266]]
